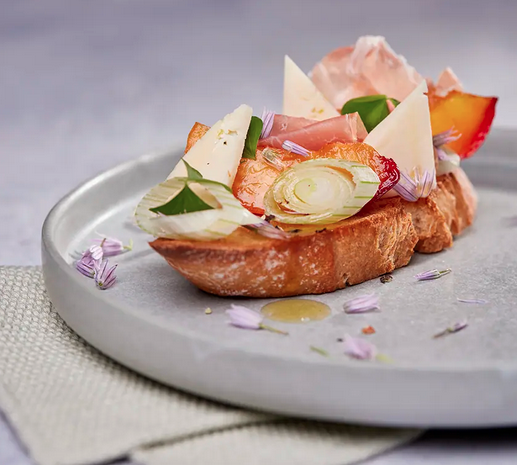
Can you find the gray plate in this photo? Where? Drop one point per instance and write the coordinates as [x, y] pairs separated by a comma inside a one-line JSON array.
[[153, 320]]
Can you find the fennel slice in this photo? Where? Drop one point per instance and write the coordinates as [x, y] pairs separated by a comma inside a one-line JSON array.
[[321, 191], [212, 224]]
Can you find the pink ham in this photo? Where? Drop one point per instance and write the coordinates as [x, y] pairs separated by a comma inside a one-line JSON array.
[[283, 124], [447, 82], [368, 68], [313, 135]]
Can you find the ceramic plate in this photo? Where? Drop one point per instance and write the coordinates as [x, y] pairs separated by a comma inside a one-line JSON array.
[[153, 320]]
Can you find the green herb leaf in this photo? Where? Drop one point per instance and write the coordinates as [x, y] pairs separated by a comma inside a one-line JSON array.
[[372, 109], [204, 181], [184, 202], [215, 183], [187, 201], [368, 99], [252, 137], [192, 173]]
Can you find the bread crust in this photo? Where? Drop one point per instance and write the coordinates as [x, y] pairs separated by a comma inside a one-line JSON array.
[[446, 213], [370, 244], [381, 238]]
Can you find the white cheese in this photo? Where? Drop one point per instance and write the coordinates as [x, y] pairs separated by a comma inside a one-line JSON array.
[[301, 97], [405, 135], [218, 153], [449, 163]]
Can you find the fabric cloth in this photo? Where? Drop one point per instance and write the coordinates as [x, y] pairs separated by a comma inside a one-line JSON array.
[[72, 405]]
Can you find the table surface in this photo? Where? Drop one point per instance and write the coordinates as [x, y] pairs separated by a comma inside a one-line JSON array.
[[87, 85]]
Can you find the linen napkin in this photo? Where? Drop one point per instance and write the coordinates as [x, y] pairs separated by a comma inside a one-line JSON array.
[[72, 405]]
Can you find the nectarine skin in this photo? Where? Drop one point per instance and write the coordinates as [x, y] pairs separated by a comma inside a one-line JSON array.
[[470, 115]]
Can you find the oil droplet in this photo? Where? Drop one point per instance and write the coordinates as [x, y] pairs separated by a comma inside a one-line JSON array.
[[296, 310]]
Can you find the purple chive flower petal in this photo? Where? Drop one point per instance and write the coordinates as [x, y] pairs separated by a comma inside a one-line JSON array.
[[105, 277], [89, 261], [431, 274], [268, 230], [92, 265], [243, 317], [473, 301], [406, 187], [86, 268], [452, 329], [295, 148], [96, 252], [268, 118], [86, 258], [445, 137], [441, 154], [458, 326], [359, 348], [362, 304], [413, 189], [425, 182], [111, 246]]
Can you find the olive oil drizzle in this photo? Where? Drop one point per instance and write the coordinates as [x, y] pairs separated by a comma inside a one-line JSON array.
[[296, 310]]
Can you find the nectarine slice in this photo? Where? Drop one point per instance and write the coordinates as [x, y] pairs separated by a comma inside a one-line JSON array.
[[470, 115]]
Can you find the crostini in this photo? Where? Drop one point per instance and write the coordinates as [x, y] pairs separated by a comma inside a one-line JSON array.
[[360, 171]]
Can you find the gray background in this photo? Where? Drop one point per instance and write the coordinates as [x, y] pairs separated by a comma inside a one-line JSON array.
[[85, 85]]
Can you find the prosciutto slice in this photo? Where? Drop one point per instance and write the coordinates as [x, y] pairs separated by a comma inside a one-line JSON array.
[[368, 68], [447, 82], [284, 124], [313, 135]]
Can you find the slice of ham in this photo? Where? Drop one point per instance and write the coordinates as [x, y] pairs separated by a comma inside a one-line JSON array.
[[283, 124], [368, 68], [447, 82], [313, 135]]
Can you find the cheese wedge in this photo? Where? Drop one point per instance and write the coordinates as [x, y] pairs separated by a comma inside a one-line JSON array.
[[406, 136], [218, 153], [301, 97]]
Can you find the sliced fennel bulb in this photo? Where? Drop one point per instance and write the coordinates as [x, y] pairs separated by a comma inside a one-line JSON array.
[[219, 222], [321, 191]]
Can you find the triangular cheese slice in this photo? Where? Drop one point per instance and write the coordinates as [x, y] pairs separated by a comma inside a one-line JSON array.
[[405, 135], [218, 153], [301, 97]]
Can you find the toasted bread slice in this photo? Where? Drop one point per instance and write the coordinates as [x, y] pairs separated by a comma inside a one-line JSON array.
[[381, 238], [374, 242]]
